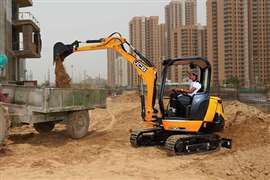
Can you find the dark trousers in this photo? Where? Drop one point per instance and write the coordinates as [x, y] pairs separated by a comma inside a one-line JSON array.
[[180, 102]]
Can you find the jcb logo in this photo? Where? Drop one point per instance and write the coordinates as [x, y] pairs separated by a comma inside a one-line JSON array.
[[140, 65]]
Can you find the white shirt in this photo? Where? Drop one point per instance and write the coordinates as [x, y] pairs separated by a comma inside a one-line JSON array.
[[195, 85]]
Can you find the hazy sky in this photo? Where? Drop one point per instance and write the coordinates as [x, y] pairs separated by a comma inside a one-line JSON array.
[[69, 20]]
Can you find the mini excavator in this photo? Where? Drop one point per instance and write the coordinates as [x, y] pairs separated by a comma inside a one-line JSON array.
[[192, 133]]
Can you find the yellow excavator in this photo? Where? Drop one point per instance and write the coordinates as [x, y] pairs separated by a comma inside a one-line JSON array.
[[196, 131]]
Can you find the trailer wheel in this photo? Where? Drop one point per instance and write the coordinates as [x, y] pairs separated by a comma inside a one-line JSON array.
[[44, 127], [78, 124], [4, 124]]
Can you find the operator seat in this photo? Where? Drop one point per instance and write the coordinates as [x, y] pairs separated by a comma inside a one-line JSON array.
[[199, 106], [189, 107]]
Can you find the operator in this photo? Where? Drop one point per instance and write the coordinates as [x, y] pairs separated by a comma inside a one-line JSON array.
[[183, 97], [195, 85]]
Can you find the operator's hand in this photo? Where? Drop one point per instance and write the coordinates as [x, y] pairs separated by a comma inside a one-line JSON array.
[[178, 90]]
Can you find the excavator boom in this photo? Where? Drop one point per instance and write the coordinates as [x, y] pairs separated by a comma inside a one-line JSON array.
[[145, 68]]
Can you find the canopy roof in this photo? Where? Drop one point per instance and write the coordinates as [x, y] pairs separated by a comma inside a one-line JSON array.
[[201, 62]]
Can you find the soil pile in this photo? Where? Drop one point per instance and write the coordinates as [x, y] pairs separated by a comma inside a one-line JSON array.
[[62, 79], [246, 125], [106, 152]]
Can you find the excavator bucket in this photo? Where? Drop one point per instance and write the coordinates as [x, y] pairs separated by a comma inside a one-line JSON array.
[[61, 51]]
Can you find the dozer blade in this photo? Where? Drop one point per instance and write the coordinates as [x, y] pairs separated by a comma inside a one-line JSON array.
[[61, 51]]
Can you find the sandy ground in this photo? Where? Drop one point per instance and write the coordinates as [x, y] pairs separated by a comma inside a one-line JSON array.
[[106, 153]]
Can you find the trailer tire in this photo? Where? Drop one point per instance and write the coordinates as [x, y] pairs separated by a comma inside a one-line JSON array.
[[78, 124], [4, 124], [44, 127]]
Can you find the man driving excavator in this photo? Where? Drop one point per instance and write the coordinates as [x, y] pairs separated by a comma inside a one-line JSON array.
[[195, 85], [183, 97], [194, 132]]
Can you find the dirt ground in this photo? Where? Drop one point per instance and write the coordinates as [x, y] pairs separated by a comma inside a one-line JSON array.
[[106, 153]]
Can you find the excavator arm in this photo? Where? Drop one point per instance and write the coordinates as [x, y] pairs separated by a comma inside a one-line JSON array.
[[143, 66]]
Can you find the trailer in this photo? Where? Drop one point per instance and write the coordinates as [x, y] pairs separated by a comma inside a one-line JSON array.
[[45, 107]]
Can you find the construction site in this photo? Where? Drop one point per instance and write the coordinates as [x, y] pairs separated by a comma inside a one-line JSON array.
[[156, 130], [106, 152]]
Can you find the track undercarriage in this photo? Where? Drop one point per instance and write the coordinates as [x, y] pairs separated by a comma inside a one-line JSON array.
[[178, 143]]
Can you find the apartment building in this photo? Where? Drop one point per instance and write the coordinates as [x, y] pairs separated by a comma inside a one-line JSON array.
[[121, 72], [178, 13], [190, 12], [111, 57], [259, 42], [187, 41], [238, 40], [154, 34], [137, 39], [147, 36]]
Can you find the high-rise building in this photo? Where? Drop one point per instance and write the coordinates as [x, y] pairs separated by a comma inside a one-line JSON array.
[[117, 70], [179, 13], [202, 41], [121, 76], [19, 37], [145, 35], [162, 48], [137, 39], [186, 41], [190, 12], [236, 59], [238, 40], [162, 41], [152, 39], [228, 40], [111, 57], [259, 45], [215, 42], [173, 18]]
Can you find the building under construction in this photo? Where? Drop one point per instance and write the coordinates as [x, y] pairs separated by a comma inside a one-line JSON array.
[[19, 37]]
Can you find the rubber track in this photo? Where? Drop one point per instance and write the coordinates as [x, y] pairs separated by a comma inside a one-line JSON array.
[[171, 141]]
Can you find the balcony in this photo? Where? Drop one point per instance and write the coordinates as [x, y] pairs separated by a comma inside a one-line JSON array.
[[24, 3], [26, 36], [27, 18]]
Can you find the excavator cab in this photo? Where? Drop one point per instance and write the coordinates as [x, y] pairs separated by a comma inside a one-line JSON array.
[[204, 113], [197, 104], [195, 129]]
